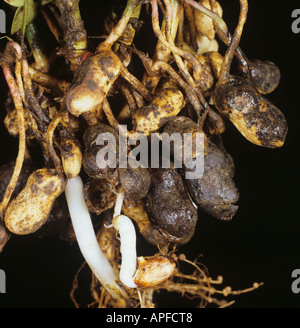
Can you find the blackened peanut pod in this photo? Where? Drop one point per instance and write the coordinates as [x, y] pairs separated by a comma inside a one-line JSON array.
[[265, 75], [95, 166], [256, 118], [135, 182], [92, 133], [189, 131], [136, 211], [215, 192], [166, 104], [93, 80], [32, 207], [169, 207], [100, 195]]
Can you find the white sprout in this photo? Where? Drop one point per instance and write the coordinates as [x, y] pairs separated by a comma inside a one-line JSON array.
[[126, 230], [87, 240]]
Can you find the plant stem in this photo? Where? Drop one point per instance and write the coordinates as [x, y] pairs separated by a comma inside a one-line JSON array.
[[120, 27], [41, 61], [74, 34]]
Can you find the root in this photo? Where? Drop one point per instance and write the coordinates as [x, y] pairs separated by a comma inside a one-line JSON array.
[[17, 99], [197, 285]]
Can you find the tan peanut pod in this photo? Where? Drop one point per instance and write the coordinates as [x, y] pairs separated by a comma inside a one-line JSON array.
[[167, 104], [92, 82], [32, 207], [204, 24], [153, 271]]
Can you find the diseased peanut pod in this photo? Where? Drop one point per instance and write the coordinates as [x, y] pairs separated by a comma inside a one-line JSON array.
[[100, 195], [169, 207], [166, 104], [215, 192], [256, 118], [93, 80], [153, 270], [135, 182], [185, 127], [135, 210], [31, 208], [92, 163], [265, 75]]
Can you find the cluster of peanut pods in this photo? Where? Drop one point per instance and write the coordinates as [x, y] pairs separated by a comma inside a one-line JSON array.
[[186, 86]]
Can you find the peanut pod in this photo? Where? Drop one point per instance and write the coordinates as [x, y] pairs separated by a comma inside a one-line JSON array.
[[135, 182], [215, 192], [169, 207], [32, 207], [166, 104], [93, 80], [256, 118], [153, 270]]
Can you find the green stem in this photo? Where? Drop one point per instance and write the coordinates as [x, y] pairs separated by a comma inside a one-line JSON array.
[[82, 43], [120, 27], [34, 43]]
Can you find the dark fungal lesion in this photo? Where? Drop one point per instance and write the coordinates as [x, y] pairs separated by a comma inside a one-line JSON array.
[[169, 208]]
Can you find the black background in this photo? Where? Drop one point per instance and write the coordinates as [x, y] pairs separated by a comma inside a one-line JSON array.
[[261, 243]]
